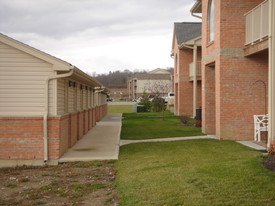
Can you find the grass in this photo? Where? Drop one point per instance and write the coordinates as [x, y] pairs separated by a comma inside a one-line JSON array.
[[193, 173], [120, 108], [150, 125]]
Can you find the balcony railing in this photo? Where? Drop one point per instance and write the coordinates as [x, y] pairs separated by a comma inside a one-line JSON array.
[[191, 70], [257, 23]]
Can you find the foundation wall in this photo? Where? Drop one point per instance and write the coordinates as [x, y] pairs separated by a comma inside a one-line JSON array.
[[21, 138]]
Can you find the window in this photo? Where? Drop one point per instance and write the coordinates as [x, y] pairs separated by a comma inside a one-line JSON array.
[[211, 19]]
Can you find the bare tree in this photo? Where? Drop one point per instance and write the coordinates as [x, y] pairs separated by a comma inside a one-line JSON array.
[[159, 88]]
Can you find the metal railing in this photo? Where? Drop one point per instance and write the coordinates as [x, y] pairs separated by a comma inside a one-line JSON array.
[[191, 70], [257, 23]]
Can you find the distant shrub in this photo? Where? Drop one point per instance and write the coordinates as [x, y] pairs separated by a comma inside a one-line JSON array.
[[184, 119], [158, 104], [145, 102]]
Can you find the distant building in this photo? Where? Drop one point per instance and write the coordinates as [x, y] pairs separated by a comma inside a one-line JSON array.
[[119, 93], [154, 82]]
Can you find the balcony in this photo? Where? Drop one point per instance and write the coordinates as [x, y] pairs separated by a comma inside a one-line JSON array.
[[192, 72], [257, 23], [257, 28]]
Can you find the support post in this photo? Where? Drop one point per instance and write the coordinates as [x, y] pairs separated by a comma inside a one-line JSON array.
[[271, 75], [195, 79]]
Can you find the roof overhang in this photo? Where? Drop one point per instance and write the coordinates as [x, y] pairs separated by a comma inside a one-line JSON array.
[[85, 78], [197, 7], [173, 42], [58, 64], [190, 43]]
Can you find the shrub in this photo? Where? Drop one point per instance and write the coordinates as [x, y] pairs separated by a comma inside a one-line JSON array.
[[146, 103], [157, 104], [271, 149], [184, 119]]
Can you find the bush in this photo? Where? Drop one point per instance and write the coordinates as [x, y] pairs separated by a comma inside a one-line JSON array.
[[271, 149], [158, 104], [145, 102], [186, 121]]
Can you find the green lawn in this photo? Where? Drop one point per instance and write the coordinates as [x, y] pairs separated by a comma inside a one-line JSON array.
[[193, 173], [151, 125], [120, 108]]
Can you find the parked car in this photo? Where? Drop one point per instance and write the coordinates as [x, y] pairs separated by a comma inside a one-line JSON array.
[[171, 97], [109, 99]]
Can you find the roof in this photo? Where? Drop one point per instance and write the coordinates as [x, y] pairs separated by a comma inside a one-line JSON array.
[[197, 7], [185, 31], [151, 76], [58, 64], [62, 65], [159, 71]]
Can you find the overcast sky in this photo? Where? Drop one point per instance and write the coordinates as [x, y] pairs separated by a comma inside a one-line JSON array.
[[98, 35]]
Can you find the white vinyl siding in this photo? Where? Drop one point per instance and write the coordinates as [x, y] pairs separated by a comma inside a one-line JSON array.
[[89, 98], [78, 98], [22, 82], [71, 99], [61, 96], [84, 98]]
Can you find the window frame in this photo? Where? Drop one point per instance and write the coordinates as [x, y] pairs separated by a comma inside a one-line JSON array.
[[211, 21]]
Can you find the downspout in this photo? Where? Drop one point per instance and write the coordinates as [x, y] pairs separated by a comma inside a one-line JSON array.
[[46, 113], [271, 74]]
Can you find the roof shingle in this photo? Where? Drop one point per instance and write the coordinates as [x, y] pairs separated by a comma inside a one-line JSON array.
[[186, 31]]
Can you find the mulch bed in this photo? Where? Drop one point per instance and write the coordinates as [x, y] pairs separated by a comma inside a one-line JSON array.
[[75, 184], [269, 163]]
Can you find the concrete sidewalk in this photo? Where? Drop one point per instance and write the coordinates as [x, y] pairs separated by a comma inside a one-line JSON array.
[[124, 142], [100, 143], [252, 145]]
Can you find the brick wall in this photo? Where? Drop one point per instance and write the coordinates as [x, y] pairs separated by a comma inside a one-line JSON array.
[[182, 84], [230, 94], [80, 124], [22, 137], [86, 121], [73, 129]]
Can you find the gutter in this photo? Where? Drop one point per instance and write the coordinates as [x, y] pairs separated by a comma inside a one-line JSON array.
[[46, 113], [185, 45], [196, 5], [194, 15]]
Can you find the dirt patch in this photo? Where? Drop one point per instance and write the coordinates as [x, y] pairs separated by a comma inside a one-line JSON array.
[[81, 183], [269, 163]]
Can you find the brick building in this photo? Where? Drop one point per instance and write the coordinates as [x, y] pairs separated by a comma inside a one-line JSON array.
[[237, 57], [119, 93], [186, 51], [46, 104]]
